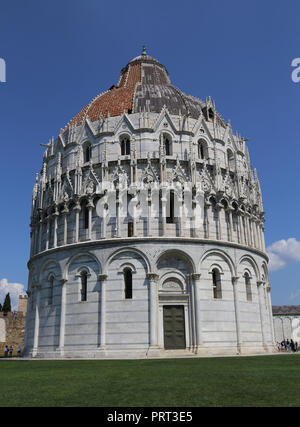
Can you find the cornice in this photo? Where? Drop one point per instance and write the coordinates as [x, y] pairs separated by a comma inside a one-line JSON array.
[[133, 240]]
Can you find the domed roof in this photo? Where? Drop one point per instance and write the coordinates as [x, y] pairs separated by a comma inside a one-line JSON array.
[[144, 85]]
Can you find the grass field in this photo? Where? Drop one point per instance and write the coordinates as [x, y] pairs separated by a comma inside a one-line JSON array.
[[229, 381]]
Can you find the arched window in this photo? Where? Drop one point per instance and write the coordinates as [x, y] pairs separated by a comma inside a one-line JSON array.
[[234, 216], [217, 287], [230, 159], [130, 229], [125, 146], [167, 141], [87, 152], [86, 217], [128, 282], [202, 149], [50, 290], [248, 287], [171, 218], [83, 289]]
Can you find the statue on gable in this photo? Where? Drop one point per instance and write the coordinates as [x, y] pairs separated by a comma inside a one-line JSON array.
[[90, 187]]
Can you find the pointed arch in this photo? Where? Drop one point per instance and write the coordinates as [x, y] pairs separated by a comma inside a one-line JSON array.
[[202, 149], [87, 151], [125, 144], [167, 143], [230, 158]]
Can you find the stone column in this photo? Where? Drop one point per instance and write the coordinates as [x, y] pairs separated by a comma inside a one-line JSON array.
[[77, 209], [118, 218], [259, 236], [195, 220], [247, 226], [90, 207], [153, 302], [40, 235], [163, 211], [250, 231], [256, 234], [220, 210], [237, 313], [229, 212], [149, 215], [134, 217], [65, 217], [270, 313], [37, 291], [28, 321], [196, 288], [55, 215], [263, 238], [206, 219], [48, 233], [252, 224], [241, 229], [102, 340], [260, 302], [103, 222], [62, 316]]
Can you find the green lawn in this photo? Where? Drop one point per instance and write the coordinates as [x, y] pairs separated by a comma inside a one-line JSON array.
[[230, 381]]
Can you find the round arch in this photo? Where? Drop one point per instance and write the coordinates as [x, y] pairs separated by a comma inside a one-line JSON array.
[[120, 251], [265, 271], [252, 262], [221, 254], [45, 264], [179, 252], [78, 255]]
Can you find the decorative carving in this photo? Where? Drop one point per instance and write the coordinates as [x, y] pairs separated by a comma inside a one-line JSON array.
[[90, 187], [172, 285], [152, 277]]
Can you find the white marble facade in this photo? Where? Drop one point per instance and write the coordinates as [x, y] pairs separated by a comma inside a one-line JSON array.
[[209, 261]]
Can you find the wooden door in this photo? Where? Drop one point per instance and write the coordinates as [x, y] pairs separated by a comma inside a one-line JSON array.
[[174, 327]]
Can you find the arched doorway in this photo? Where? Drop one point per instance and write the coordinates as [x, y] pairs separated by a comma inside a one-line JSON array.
[[175, 322]]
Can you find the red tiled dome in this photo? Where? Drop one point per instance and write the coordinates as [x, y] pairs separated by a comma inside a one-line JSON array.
[[144, 85]]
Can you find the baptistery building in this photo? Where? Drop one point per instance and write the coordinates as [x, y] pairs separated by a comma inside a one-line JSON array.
[[147, 230]]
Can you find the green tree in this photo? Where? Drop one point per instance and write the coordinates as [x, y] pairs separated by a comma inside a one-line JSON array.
[[7, 304], [0, 307]]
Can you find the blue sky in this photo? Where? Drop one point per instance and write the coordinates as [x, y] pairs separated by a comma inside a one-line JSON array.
[[60, 54]]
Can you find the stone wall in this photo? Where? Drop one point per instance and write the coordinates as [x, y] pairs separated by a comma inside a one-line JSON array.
[[287, 327], [12, 331], [22, 305]]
